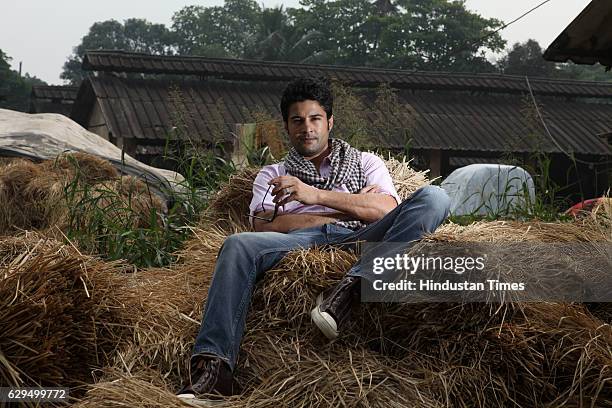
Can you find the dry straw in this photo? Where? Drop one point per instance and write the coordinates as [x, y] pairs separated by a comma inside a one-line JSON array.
[[410, 355], [34, 196], [390, 355], [127, 198], [47, 312]]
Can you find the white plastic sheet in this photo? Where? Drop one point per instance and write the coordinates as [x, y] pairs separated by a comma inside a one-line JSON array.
[[489, 189], [46, 135]]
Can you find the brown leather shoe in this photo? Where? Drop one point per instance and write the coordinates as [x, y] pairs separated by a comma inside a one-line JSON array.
[[333, 307], [210, 380]]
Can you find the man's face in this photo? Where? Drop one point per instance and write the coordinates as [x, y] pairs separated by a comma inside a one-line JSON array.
[[308, 127]]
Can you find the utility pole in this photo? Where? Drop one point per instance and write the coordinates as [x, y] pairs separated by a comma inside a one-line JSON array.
[[20, 63]]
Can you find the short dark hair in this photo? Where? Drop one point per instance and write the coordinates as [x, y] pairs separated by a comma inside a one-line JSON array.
[[314, 89]]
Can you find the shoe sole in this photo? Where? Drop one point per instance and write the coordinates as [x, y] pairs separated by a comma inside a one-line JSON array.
[[323, 320], [194, 401]]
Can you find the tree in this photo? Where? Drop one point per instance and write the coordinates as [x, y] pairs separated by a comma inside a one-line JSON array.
[[526, 59], [216, 31], [343, 26], [4, 61], [439, 35], [596, 72], [279, 40], [135, 35], [15, 90], [406, 34]]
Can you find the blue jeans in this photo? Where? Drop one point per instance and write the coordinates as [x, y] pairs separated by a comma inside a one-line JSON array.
[[244, 258]]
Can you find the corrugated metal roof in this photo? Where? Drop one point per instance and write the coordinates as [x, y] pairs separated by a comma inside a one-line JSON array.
[[53, 99], [588, 39], [458, 121], [499, 123], [151, 109], [55, 92], [249, 70]]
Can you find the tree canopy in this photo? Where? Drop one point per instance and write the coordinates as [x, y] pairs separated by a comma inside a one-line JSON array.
[[428, 35], [407, 34], [526, 59], [136, 35], [15, 90]]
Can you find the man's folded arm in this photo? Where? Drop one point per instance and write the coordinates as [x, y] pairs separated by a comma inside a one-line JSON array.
[[369, 207], [290, 222]]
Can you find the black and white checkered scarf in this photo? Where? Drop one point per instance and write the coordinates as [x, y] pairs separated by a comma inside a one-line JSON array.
[[345, 169]]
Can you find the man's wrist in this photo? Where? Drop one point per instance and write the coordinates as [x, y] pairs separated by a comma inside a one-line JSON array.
[[319, 196]]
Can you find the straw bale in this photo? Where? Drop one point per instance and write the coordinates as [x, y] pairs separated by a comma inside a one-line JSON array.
[[603, 209], [90, 168], [142, 389], [238, 192], [153, 314], [161, 308], [442, 337], [584, 230], [24, 202], [33, 195], [390, 354], [201, 250], [47, 335], [8, 160], [288, 371], [163, 328], [405, 178], [127, 200], [403, 355]]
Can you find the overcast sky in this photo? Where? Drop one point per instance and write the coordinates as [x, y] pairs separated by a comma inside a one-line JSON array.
[[42, 33]]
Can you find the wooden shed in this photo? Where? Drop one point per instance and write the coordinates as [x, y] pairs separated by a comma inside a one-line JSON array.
[[135, 101]]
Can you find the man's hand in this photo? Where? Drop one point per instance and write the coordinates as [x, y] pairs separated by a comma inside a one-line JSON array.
[[367, 206], [370, 189], [289, 188]]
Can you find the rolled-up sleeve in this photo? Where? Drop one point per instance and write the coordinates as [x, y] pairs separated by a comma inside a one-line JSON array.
[[260, 186], [376, 172]]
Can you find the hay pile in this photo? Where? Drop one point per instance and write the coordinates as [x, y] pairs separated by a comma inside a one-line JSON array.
[[414, 355], [405, 178], [141, 327], [228, 208], [37, 196], [125, 198], [47, 312], [428, 355]]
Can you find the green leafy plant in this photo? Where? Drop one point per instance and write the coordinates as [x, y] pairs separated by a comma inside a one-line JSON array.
[[121, 219]]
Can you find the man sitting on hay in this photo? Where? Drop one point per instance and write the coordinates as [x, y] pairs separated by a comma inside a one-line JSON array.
[[324, 192]]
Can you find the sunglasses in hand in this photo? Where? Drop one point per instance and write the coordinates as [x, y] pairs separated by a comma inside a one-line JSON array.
[[263, 208]]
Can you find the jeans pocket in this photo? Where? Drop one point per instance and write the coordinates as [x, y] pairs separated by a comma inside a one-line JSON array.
[[334, 229]]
